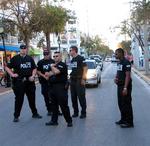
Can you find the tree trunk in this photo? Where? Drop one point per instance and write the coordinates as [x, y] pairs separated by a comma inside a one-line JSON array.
[[26, 41], [146, 56], [48, 41]]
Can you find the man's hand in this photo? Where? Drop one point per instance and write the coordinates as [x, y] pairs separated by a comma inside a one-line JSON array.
[[116, 80], [124, 92], [31, 78], [48, 74], [53, 65], [14, 75], [82, 82]]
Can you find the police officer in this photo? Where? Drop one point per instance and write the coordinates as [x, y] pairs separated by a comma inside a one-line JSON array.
[[124, 89], [58, 79], [43, 67], [22, 69], [77, 78]]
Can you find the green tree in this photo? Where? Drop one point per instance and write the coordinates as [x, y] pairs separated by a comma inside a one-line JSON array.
[[35, 16], [94, 45], [20, 12], [126, 45], [52, 20]]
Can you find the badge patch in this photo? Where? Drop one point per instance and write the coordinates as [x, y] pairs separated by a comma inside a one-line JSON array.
[[119, 67], [25, 65], [46, 67], [73, 65]]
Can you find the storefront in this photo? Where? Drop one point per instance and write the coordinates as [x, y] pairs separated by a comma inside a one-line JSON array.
[[10, 52]]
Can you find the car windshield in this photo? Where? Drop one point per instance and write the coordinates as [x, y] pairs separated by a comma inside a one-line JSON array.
[[91, 65], [97, 60]]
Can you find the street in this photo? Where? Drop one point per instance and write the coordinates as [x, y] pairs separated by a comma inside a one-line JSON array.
[[98, 129]]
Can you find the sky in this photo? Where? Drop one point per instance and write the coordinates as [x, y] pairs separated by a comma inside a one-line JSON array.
[[97, 16]]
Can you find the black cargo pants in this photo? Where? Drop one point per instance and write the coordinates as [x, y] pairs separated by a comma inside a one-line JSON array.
[[125, 104], [21, 88], [78, 92], [60, 98], [46, 92]]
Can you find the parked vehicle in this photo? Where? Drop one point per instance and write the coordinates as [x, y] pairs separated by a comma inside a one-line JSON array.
[[99, 63], [93, 76], [113, 59], [95, 56], [108, 59]]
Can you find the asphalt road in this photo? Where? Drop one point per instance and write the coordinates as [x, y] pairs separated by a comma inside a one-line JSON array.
[[98, 129]]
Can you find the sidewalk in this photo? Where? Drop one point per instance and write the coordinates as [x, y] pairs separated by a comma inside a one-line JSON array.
[[142, 75], [4, 90]]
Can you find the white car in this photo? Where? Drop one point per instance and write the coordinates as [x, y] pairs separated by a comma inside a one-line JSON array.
[[93, 76], [108, 59], [99, 62], [95, 56]]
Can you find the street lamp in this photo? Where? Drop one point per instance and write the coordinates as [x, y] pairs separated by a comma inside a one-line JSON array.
[[5, 55], [59, 41]]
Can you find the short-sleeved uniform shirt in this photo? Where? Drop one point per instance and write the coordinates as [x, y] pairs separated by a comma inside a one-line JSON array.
[[122, 67], [44, 65], [62, 76], [77, 65], [23, 66]]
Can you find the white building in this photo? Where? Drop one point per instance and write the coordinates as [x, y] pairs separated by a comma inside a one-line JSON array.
[[138, 53]]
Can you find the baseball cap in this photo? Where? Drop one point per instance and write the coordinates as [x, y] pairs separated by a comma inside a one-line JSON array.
[[23, 46]]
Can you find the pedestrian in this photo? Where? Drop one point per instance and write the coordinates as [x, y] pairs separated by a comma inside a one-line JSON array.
[[58, 79], [43, 67], [77, 82], [124, 89], [22, 69]]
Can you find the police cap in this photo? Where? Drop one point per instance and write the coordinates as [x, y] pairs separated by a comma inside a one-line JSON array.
[[23, 46]]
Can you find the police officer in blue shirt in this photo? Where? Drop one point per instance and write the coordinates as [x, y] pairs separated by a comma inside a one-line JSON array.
[[124, 89], [22, 69]]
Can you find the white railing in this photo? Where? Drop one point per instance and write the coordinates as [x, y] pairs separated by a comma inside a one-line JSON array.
[[10, 40]]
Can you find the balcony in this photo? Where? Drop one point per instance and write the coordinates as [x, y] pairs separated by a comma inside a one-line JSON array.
[[11, 44], [10, 40]]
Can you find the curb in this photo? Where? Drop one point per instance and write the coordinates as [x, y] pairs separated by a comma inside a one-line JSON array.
[[6, 92], [142, 76]]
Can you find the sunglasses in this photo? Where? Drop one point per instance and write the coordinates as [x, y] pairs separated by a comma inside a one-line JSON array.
[[45, 54], [55, 56]]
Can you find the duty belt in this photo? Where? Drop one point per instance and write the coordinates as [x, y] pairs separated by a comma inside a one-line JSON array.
[[23, 79], [76, 78]]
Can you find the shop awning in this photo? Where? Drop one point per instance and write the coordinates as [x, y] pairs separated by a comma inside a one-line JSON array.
[[10, 48]]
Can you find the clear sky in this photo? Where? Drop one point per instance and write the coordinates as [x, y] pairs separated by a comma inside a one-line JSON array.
[[97, 16]]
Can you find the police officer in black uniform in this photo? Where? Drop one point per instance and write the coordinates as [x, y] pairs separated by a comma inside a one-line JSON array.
[[124, 84], [58, 79], [77, 78], [43, 67], [22, 69]]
